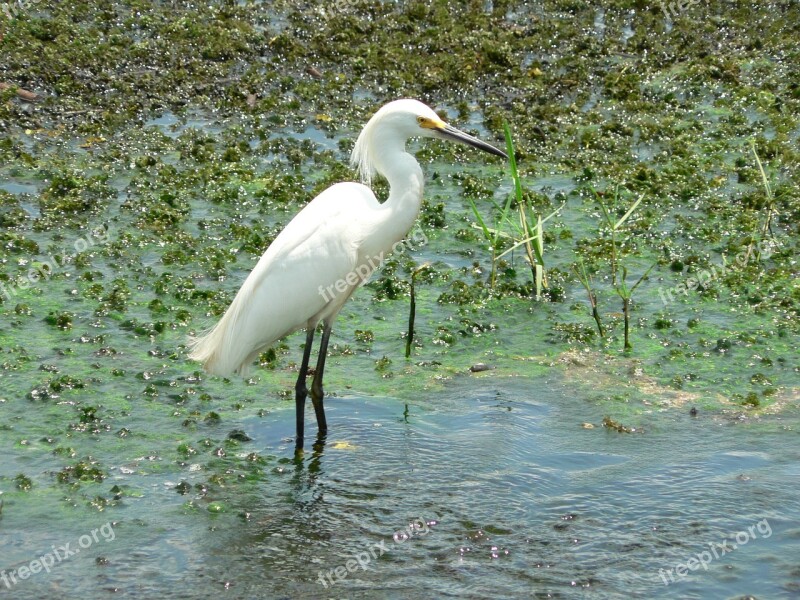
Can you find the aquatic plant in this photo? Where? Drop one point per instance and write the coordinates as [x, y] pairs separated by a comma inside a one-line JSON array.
[[524, 233], [583, 277], [493, 235], [766, 227], [626, 293], [619, 281], [412, 308]]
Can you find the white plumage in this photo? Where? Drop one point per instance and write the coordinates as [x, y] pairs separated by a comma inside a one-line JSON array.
[[331, 246], [317, 248]]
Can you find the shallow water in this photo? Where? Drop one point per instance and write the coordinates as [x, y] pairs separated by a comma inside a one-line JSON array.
[[498, 486], [491, 487], [439, 483]]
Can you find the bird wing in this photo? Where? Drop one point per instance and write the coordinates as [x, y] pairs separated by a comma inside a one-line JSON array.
[[295, 280], [322, 240]]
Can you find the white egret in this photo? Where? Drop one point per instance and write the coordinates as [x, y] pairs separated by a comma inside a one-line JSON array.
[[328, 250]]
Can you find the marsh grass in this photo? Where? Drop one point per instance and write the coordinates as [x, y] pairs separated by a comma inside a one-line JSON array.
[[586, 281], [626, 293], [619, 272], [412, 309], [493, 235], [527, 230], [766, 227]]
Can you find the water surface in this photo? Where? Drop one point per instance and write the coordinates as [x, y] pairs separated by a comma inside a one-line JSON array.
[[493, 487]]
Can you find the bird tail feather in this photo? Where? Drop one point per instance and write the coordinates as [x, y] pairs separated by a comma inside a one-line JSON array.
[[216, 349]]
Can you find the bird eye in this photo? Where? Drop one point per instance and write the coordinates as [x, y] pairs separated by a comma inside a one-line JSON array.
[[421, 120]]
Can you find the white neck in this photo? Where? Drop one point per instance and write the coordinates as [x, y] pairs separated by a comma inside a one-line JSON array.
[[405, 178]]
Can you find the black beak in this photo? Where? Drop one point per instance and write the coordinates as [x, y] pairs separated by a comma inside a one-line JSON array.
[[448, 132]]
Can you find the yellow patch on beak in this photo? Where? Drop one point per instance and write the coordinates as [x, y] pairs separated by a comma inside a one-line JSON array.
[[428, 123]]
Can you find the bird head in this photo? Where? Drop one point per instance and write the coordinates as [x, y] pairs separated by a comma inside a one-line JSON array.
[[403, 119]]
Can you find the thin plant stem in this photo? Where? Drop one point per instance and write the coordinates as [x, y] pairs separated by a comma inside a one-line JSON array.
[[766, 228], [412, 312], [583, 277], [626, 302]]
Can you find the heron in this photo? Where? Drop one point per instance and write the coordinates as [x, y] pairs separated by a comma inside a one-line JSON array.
[[328, 250]]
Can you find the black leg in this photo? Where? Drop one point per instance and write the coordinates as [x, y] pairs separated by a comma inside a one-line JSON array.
[[316, 386], [300, 389]]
